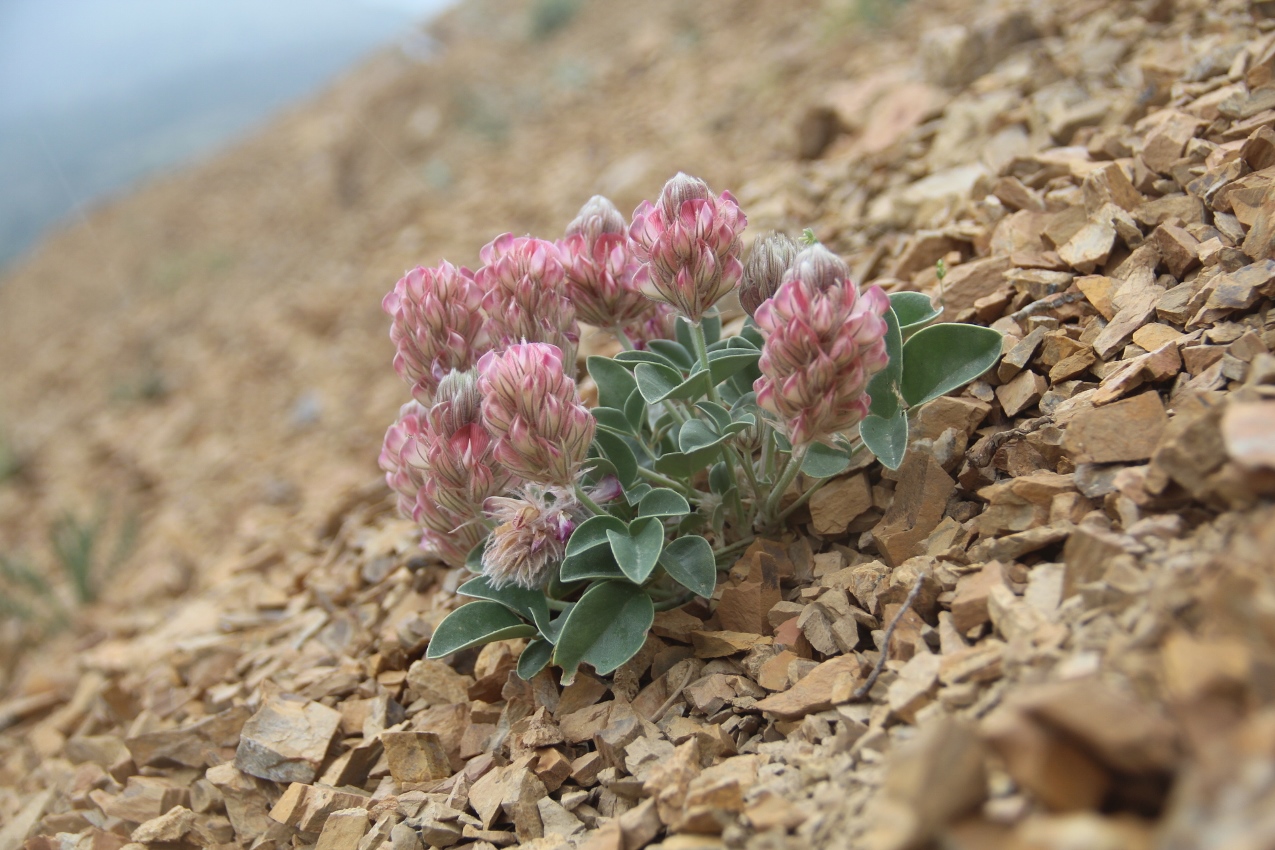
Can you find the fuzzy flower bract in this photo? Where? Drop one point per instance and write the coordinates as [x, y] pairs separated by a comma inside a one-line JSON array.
[[689, 243], [824, 341]]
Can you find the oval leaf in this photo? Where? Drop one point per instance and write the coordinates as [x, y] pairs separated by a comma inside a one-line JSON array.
[[689, 560], [696, 435], [914, 310], [530, 604], [612, 420], [475, 624], [661, 501], [593, 532], [824, 461], [606, 628], [676, 353], [942, 358], [616, 450], [638, 549], [656, 382], [615, 382], [534, 658], [886, 438], [883, 389]]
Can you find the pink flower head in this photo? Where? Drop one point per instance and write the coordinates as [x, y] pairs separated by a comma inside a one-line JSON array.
[[824, 342], [689, 244], [531, 535], [658, 322], [401, 456], [461, 472], [436, 325], [525, 293], [600, 267], [439, 462], [532, 408]]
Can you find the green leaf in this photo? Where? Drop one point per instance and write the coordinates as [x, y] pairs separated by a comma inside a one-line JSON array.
[[719, 479], [682, 465], [612, 420], [720, 415], [630, 359], [633, 495], [678, 354], [637, 549], [534, 658], [589, 551], [696, 435], [615, 382], [695, 385], [475, 624], [656, 382], [942, 358], [618, 452], [883, 389], [689, 560], [606, 628], [886, 438], [661, 501], [914, 310], [825, 461], [529, 604], [727, 362], [474, 560], [635, 412]]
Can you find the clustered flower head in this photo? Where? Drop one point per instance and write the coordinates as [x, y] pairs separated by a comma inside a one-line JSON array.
[[600, 265], [824, 341], [689, 244], [530, 536], [436, 325], [439, 462], [532, 407], [525, 293]]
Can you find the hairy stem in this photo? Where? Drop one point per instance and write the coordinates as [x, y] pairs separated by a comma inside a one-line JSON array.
[[866, 688]]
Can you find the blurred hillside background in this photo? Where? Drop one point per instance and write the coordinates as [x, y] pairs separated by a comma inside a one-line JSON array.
[[95, 95]]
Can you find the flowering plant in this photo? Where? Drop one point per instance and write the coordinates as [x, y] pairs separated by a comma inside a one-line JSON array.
[[579, 523]]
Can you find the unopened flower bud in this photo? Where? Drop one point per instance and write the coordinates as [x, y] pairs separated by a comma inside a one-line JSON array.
[[437, 325], [598, 259], [525, 297], [689, 244], [769, 258], [598, 216], [824, 341], [533, 409]]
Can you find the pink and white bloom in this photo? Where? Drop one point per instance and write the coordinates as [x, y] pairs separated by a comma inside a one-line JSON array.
[[439, 462], [525, 294], [436, 325], [824, 341], [600, 268], [689, 244], [768, 261], [531, 535], [533, 409]]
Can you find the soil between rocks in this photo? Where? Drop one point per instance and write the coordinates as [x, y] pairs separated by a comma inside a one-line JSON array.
[[1088, 661]]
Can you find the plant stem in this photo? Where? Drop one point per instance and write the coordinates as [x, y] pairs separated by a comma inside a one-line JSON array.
[[701, 351], [625, 342], [864, 689], [661, 478], [557, 604], [734, 547], [802, 499], [675, 602], [587, 502], [793, 466]]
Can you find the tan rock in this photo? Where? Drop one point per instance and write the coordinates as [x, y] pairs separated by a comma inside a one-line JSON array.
[[969, 606], [1127, 430], [919, 501], [343, 830], [830, 683], [838, 503], [1021, 393], [1248, 430], [415, 757], [287, 739], [307, 807], [723, 643]]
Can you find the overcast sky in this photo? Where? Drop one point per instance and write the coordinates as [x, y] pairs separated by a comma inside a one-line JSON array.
[[56, 54]]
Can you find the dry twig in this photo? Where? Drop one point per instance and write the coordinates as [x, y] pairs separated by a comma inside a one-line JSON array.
[[864, 689]]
